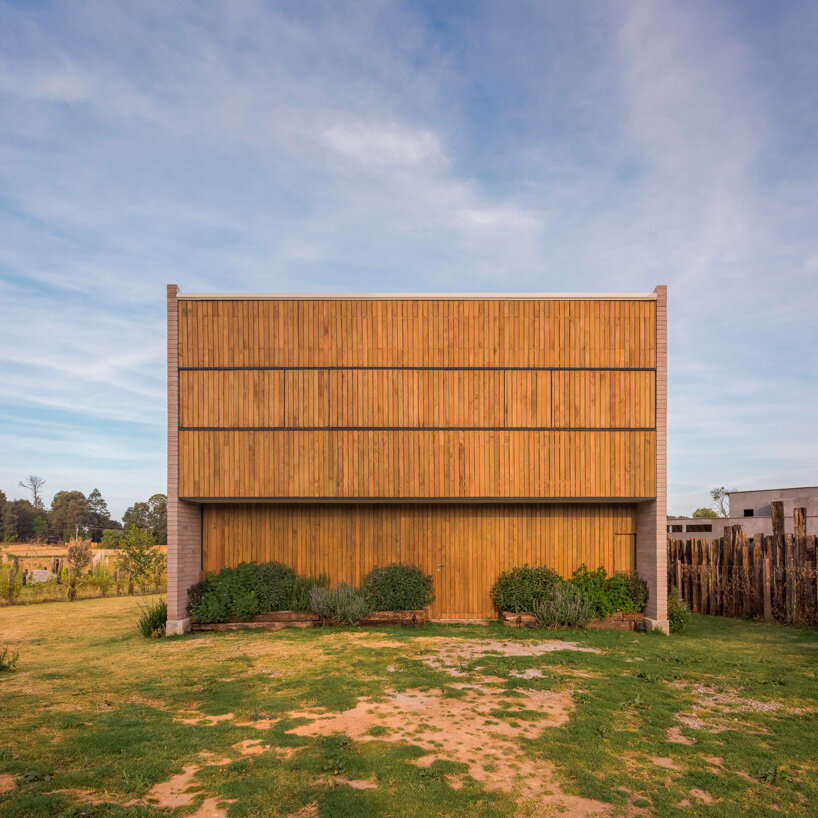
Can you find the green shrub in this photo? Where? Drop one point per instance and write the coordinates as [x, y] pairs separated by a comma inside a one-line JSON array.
[[111, 538], [101, 578], [678, 613], [397, 588], [300, 594], [244, 591], [521, 590], [342, 604], [609, 594], [637, 590], [8, 658], [152, 619], [16, 583], [272, 583], [565, 606]]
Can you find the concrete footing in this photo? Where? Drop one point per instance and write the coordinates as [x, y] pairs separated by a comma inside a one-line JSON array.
[[175, 627], [657, 625]]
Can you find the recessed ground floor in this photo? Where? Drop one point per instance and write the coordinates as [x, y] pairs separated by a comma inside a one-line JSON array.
[[464, 547]]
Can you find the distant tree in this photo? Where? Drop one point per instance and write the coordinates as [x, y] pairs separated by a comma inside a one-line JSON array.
[[704, 512], [79, 555], [152, 515], [721, 501], [40, 526], [139, 555], [136, 516], [99, 518], [26, 516], [10, 532], [158, 515], [69, 514], [111, 538], [34, 484]]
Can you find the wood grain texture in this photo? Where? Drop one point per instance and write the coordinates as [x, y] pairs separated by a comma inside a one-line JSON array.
[[309, 429], [361, 464], [463, 547], [405, 332]]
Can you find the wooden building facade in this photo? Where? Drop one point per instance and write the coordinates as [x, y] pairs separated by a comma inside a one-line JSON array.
[[467, 434]]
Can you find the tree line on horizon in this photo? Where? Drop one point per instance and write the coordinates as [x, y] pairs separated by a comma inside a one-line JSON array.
[[73, 515]]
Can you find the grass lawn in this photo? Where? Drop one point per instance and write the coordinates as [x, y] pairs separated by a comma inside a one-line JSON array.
[[432, 721]]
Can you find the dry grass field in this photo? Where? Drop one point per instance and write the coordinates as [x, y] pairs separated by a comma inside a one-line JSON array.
[[432, 721]]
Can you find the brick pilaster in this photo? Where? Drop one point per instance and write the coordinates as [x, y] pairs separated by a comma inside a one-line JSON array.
[[184, 519], [651, 524]]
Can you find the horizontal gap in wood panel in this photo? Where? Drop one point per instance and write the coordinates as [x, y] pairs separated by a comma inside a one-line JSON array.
[[425, 368], [601, 500], [417, 428]]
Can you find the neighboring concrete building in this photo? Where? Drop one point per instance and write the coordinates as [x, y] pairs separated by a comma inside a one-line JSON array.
[[750, 509], [467, 434]]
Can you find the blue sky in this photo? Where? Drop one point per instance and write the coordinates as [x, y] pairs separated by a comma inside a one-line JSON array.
[[426, 146]]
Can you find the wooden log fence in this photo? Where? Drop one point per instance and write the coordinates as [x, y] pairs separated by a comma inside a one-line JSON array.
[[770, 577]]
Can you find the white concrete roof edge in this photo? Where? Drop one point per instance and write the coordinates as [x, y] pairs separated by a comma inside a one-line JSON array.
[[418, 296]]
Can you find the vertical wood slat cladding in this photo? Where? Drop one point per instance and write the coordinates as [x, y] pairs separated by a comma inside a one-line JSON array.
[[409, 332], [463, 547], [605, 398], [360, 464], [297, 456], [418, 398]]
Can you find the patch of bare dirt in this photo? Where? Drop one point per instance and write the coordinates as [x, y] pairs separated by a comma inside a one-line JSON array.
[[176, 792], [697, 797], [715, 711], [207, 721], [708, 697], [251, 747], [86, 796], [528, 673], [7, 782], [211, 761], [716, 763], [675, 736], [467, 731], [694, 722], [451, 655], [666, 763]]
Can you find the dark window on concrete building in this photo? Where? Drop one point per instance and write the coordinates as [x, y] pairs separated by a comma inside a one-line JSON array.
[[748, 512], [700, 527], [674, 527]]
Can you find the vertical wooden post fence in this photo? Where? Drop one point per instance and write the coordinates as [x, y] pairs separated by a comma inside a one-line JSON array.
[[770, 577]]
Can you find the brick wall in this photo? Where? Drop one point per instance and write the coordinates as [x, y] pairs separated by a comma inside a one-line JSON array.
[[184, 519], [651, 521]]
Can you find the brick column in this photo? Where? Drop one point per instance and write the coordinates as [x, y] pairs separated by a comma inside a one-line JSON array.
[[651, 519], [184, 519]]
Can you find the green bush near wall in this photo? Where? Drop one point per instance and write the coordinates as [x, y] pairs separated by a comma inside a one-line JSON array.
[[247, 590], [397, 588], [252, 588], [555, 601], [610, 594], [522, 590]]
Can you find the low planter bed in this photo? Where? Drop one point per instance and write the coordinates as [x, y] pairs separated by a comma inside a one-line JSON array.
[[617, 621], [275, 620], [519, 620], [620, 622], [394, 618]]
